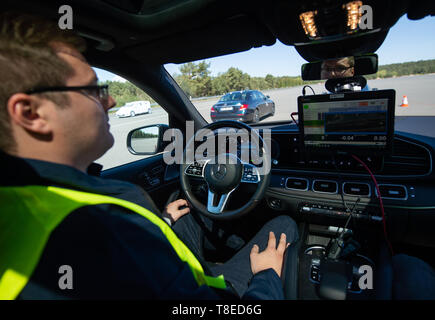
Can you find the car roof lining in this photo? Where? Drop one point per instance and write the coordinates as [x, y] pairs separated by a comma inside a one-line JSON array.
[[178, 31]]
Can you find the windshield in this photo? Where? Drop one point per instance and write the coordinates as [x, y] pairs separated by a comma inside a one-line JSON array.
[[406, 64]]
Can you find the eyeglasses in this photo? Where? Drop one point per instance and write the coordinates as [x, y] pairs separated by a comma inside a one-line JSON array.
[[100, 93]]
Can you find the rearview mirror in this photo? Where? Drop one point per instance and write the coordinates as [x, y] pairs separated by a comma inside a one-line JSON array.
[[345, 67], [146, 140]]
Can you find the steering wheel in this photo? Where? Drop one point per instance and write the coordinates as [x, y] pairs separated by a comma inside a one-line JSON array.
[[224, 175]]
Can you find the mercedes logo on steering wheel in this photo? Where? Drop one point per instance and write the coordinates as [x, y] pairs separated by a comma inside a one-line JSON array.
[[219, 171]]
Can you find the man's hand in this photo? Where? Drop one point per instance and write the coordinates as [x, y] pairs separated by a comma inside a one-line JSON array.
[[173, 210], [271, 257]]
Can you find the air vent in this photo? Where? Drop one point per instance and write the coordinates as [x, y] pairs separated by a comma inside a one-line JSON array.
[[325, 186], [297, 184], [356, 189], [408, 158], [393, 191]]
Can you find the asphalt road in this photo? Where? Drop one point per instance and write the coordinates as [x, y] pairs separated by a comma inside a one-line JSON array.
[[418, 118]]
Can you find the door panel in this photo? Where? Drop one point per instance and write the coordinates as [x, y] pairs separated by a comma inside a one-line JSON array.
[[152, 174]]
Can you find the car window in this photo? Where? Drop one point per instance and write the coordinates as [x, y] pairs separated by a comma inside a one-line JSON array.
[[233, 96], [261, 96], [226, 97], [236, 96], [134, 109]]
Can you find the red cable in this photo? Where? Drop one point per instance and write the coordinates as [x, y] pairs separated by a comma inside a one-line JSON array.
[[380, 201]]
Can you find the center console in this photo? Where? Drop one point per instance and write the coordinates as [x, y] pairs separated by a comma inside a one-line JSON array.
[[338, 279], [335, 266]]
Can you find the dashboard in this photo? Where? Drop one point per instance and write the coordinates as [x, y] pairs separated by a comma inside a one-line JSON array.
[[324, 188]]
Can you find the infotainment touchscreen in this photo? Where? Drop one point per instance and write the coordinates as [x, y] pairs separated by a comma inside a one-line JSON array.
[[359, 122]]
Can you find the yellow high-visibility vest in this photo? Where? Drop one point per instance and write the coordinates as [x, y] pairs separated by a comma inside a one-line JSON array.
[[28, 215]]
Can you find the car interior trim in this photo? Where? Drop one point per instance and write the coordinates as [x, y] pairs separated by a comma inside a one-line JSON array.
[[355, 195], [306, 189]]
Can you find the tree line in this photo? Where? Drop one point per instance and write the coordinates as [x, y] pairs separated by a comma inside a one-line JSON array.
[[404, 69], [124, 92], [196, 81]]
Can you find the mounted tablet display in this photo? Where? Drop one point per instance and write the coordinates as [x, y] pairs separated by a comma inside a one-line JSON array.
[[358, 122]]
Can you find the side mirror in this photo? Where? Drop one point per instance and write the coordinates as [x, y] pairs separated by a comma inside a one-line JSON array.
[[268, 97], [146, 140]]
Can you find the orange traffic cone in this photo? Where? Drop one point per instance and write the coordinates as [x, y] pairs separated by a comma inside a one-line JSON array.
[[404, 102]]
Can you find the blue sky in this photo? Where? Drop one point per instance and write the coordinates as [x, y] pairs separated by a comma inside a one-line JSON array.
[[407, 40]]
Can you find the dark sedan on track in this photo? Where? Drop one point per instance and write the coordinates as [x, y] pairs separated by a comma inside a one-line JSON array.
[[246, 106]]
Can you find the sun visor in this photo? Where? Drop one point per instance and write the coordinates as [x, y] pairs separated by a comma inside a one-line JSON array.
[[231, 36]]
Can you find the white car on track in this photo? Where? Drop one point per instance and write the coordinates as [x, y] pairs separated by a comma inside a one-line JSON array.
[[131, 109]]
